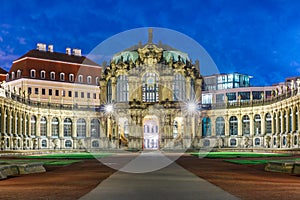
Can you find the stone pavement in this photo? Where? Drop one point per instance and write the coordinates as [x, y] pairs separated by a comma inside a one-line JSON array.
[[171, 182]]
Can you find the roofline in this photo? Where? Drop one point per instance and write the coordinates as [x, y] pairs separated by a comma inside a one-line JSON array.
[[55, 61]]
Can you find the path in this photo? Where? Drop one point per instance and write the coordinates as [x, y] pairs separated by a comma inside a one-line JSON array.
[[171, 182]]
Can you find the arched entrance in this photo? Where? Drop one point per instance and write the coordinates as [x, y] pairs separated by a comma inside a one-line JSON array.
[[151, 132]]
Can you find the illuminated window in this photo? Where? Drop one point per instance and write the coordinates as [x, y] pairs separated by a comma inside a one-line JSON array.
[[67, 127], [233, 125], [122, 89], [246, 125], [43, 126], [150, 87], [81, 128], [257, 124], [179, 93], [220, 126], [54, 127]]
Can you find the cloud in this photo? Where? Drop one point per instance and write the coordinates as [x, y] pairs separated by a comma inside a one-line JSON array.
[[1, 39], [21, 40]]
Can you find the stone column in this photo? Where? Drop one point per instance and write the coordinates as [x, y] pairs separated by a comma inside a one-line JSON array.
[[212, 124], [38, 125], [240, 131], [113, 89], [294, 120], [263, 123], [251, 124], [226, 123]]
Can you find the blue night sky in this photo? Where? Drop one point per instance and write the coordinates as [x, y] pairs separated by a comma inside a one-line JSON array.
[[259, 38]]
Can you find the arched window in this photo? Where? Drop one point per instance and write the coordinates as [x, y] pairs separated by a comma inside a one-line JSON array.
[[109, 91], [268, 123], [192, 91], [95, 128], [246, 125], [32, 73], [97, 80], [19, 73], [62, 76], [12, 75], [81, 128], [89, 80], [52, 75], [43, 126], [257, 124], [71, 77], [150, 87], [290, 129], [33, 125], [233, 125], [175, 129], [122, 89], [179, 93], [54, 127], [220, 126], [206, 127], [257, 141], [80, 78], [296, 119], [284, 122], [42, 74], [95, 144], [68, 143], [67, 127], [44, 143]]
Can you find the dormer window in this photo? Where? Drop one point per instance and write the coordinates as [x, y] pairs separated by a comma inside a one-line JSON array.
[[43, 74], [52, 75], [62, 76], [71, 77], [80, 78], [32, 73], [89, 79], [97, 80], [19, 73], [12, 75]]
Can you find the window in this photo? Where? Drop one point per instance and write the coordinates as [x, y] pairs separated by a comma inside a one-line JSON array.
[[268, 123], [50, 92], [43, 74], [233, 142], [89, 80], [109, 91], [233, 125], [32, 73], [220, 126], [62, 76], [122, 89], [12, 75], [55, 127], [52, 75], [43, 91], [257, 124], [284, 121], [231, 96], [192, 91], [257, 141], [33, 125], [76, 94], [36, 90], [95, 96], [95, 144], [80, 78], [88, 95], [95, 128], [70, 94], [82, 94], [29, 90], [246, 125], [219, 98], [67, 127], [68, 143], [150, 87], [179, 87], [44, 143], [81, 128], [206, 127], [97, 81], [71, 77], [19, 73], [63, 93], [57, 93], [43, 126]]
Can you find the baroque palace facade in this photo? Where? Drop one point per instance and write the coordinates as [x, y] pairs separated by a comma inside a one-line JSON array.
[[146, 97]]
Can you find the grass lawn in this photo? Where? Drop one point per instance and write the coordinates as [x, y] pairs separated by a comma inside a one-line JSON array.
[[255, 162], [46, 162], [237, 155], [84, 155]]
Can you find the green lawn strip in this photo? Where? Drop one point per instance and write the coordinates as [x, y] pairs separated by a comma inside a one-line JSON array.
[[70, 156], [257, 162], [237, 155], [45, 162]]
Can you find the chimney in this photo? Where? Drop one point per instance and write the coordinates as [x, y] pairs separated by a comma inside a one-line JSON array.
[[77, 52], [50, 48], [41, 47], [68, 51]]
